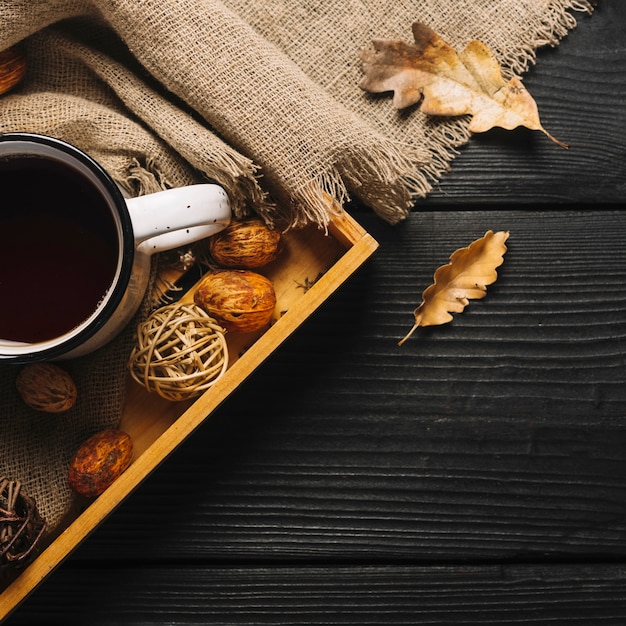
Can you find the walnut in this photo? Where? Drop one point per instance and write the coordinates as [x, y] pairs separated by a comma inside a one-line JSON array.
[[99, 461], [46, 387], [12, 68], [246, 244], [239, 300]]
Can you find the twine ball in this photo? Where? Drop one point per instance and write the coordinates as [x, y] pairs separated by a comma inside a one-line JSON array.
[[21, 525], [180, 352]]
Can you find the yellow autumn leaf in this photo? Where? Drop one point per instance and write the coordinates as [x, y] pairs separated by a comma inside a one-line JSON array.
[[464, 278], [449, 83]]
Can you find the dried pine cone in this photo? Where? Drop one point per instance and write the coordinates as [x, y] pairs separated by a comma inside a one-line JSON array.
[[21, 526]]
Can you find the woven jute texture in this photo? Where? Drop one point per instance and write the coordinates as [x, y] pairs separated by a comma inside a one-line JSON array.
[[261, 97]]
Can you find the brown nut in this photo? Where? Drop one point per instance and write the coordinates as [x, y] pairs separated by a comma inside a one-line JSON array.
[[12, 68], [246, 244], [239, 300], [100, 461], [46, 387]]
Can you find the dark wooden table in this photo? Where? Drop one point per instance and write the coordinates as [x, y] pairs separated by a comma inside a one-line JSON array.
[[475, 475]]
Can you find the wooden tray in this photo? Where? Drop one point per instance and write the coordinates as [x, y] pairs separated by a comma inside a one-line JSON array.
[[311, 267]]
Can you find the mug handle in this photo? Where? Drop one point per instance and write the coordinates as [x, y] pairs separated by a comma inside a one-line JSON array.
[[176, 217]]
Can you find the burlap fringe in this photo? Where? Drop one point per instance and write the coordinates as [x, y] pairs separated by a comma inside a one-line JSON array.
[[556, 23], [386, 181], [143, 179]]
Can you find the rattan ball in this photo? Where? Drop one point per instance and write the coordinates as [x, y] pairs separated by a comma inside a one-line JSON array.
[[180, 352], [21, 525]]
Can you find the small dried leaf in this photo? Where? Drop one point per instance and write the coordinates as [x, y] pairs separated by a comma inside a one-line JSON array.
[[448, 83], [464, 278]]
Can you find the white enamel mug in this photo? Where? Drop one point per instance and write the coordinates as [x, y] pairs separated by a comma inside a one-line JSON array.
[[75, 255]]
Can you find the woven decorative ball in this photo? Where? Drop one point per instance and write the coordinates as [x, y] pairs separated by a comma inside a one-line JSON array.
[[21, 526], [180, 352]]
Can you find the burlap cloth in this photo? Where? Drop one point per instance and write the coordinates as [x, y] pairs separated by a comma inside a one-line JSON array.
[[258, 96]]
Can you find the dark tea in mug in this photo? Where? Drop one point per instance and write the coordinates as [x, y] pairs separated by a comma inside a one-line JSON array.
[[59, 248]]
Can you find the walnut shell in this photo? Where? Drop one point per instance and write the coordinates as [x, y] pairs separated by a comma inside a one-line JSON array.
[[239, 300], [12, 68], [246, 244], [46, 387], [99, 461]]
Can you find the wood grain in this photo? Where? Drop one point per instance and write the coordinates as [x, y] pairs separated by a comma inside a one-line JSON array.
[[580, 91], [500, 435], [441, 595]]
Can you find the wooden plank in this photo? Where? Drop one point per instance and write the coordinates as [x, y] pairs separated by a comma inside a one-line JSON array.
[[454, 595], [500, 435]]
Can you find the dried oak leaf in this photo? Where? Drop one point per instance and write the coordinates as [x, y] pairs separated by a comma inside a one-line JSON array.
[[449, 83], [465, 277]]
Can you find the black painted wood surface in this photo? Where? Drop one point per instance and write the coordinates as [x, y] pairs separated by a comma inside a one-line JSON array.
[[474, 475]]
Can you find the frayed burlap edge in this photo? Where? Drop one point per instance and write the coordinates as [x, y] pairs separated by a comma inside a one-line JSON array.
[[379, 181]]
